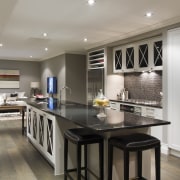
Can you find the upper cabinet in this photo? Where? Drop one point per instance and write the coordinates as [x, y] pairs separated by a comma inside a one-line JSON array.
[[140, 56], [117, 59], [96, 59], [143, 56], [124, 58], [157, 54]]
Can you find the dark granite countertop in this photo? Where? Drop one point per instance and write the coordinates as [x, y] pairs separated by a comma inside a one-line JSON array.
[[140, 102], [85, 116]]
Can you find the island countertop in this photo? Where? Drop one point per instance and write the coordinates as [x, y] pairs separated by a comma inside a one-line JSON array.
[[86, 116]]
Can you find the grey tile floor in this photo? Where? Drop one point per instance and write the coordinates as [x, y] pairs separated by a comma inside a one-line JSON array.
[[19, 160]]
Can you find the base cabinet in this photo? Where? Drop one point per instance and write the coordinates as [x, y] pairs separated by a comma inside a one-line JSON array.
[[41, 131]]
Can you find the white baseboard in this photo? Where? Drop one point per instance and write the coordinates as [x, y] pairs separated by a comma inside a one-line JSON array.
[[165, 149], [175, 153]]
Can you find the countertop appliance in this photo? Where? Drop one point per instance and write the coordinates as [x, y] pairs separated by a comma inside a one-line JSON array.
[[95, 83]]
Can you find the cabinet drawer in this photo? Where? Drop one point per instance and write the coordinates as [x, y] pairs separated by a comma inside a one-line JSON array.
[[115, 105]]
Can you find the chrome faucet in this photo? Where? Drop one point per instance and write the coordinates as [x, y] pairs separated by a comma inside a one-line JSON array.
[[64, 88]]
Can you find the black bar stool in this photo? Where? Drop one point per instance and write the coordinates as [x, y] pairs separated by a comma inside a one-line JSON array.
[[134, 143], [82, 136]]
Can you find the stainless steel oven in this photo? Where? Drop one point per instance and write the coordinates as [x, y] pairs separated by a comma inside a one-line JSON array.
[[131, 108]]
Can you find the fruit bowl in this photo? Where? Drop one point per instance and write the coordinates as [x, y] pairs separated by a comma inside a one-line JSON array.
[[101, 102]]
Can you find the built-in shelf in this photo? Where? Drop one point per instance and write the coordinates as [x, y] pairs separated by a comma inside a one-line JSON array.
[[96, 59]]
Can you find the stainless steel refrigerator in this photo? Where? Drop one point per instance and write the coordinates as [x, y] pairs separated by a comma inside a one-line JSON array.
[[95, 83]]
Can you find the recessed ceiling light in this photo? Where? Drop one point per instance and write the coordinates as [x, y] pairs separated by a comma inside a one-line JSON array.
[[149, 14], [85, 39], [1, 45], [91, 2], [46, 49], [45, 34]]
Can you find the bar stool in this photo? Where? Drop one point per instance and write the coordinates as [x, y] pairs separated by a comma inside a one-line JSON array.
[[79, 137], [133, 143]]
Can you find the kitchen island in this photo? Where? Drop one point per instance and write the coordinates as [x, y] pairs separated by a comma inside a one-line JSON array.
[[48, 120]]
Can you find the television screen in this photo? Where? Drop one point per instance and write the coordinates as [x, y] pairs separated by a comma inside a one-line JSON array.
[[52, 85]]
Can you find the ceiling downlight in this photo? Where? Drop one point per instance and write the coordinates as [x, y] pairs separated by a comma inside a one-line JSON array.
[[91, 2], [149, 14]]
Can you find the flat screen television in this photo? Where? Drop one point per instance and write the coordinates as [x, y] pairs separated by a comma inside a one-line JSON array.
[[52, 85]]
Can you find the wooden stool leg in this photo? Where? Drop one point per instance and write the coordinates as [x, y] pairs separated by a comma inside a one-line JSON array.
[[65, 158], [78, 162], [110, 161], [158, 162], [101, 160], [126, 165], [85, 160], [139, 163]]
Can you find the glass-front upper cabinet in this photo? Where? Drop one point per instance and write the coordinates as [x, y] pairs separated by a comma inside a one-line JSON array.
[[118, 59], [143, 56], [146, 55], [130, 58], [157, 54]]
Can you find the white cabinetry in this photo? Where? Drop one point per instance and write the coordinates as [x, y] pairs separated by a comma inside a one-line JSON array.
[[118, 60], [140, 56], [143, 56], [173, 85], [41, 131], [124, 58], [146, 111], [115, 105], [157, 49], [96, 59]]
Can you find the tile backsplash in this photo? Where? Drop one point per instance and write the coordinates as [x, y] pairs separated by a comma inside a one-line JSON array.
[[144, 85]]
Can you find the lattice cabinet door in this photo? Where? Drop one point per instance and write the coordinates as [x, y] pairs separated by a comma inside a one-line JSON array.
[[29, 121], [131, 56], [41, 130], [157, 44], [50, 137], [143, 56], [34, 126], [118, 59]]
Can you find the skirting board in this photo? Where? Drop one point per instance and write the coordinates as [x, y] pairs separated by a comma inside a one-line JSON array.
[[164, 149], [175, 153]]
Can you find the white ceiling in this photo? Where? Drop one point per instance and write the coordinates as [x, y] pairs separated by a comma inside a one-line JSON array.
[[67, 22]]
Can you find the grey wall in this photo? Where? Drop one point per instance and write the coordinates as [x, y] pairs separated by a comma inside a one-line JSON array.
[[76, 77], [29, 71], [53, 67], [70, 70]]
